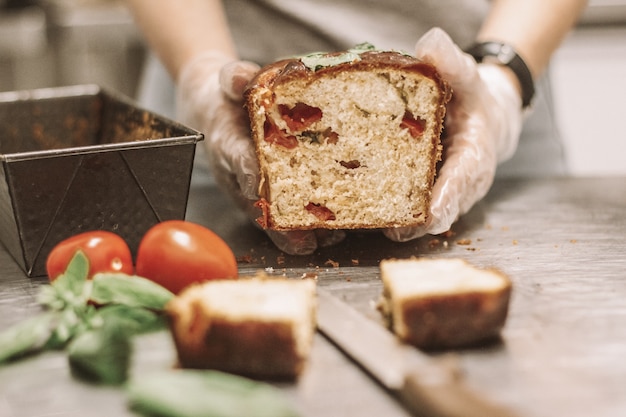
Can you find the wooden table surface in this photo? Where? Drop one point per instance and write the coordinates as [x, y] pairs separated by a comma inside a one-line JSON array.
[[563, 349]]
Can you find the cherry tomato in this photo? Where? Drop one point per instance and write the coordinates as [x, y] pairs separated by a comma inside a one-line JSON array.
[[106, 251], [177, 253]]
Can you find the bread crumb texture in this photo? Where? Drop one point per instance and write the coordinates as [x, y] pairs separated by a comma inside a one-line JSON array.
[[350, 148], [443, 303], [256, 326]]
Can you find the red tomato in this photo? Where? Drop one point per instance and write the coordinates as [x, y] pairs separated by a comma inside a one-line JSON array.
[[177, 253], [106, 251]]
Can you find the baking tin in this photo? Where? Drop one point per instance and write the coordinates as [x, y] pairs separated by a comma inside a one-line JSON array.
[[80, 158]]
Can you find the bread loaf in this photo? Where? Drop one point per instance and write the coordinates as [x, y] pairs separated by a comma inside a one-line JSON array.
[[258, 327], [347, 140], [443, 303]]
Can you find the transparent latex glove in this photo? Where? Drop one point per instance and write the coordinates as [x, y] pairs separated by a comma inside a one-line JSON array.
[[482, 127], [209, 98]]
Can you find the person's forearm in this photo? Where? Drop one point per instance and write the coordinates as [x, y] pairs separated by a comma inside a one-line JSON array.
[[535, 28], [179, 30]]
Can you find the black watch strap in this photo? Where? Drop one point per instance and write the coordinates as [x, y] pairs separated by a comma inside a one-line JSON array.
[[505, 55]]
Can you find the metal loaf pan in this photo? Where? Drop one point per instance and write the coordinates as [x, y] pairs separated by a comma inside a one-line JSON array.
[[82, 158]]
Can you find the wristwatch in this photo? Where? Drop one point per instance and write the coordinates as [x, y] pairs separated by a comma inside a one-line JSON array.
[[504, 54]]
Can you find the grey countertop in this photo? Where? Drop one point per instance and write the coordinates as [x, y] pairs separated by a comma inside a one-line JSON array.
[[562, 242]]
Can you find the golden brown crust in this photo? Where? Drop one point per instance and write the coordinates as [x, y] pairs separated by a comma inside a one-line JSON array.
[[286, 69], [452, 321], [259, 350]]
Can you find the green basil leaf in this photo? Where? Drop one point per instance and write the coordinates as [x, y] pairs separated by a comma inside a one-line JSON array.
[[318, 61], [130, 290], [49, 297], [26, 337], [70, 322], [132, 320], [362, 47], [69, 288], [101, 355], [192, 393]]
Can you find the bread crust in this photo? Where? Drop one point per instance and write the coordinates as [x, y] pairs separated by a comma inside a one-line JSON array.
[[284, 70], [451, 321], [260, 96], [252, 348]]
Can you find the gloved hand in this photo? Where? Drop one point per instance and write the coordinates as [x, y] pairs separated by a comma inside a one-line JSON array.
[[482, 128], [209, 98]]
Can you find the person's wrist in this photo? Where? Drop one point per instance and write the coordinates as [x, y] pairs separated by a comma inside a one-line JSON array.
[[208, 61], [505, 110], [505, 55], [508, 74]]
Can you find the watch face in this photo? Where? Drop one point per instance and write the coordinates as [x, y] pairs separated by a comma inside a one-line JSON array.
[[506, 54]]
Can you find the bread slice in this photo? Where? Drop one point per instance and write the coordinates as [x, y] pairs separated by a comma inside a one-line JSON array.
[[443, 303], [347, 140], [258, 327]]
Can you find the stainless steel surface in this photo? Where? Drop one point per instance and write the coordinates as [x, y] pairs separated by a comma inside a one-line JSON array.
[[95, 41], [562, 351], [65, 42], [604, 12], [429, 387], [22, 32], [364, 340], [25, 57]]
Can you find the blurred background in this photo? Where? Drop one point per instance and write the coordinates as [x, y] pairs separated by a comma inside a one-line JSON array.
[[49, 43]]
